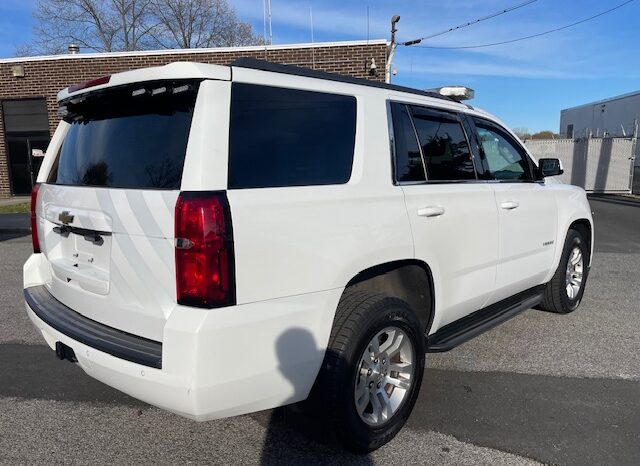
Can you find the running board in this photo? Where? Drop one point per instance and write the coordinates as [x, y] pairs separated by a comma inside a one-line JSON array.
[[462, 330]]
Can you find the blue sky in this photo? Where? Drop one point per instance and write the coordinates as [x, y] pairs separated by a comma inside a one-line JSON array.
[[525, 83]]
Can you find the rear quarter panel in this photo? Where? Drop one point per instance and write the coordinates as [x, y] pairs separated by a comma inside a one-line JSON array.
[[302, 240]]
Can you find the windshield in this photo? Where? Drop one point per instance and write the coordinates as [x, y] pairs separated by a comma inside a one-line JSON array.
[[127, 137]]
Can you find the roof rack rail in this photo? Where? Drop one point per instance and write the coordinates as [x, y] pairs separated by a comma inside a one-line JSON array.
[[263, 65]]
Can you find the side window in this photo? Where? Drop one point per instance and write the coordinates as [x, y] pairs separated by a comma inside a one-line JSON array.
[[505, 160], [444, 146], [408, 161], [287, 137]]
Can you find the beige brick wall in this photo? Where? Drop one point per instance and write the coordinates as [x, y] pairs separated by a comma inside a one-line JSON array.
[[44, 78]]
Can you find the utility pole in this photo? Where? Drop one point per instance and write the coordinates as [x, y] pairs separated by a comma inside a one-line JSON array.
[[392, 49]]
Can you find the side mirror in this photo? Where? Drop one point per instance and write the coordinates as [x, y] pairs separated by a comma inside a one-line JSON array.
[[550, 167]]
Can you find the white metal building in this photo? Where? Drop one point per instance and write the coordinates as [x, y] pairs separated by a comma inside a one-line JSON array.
[[614, 117]]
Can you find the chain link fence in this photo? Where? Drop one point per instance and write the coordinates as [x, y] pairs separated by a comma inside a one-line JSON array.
[[599, 165]]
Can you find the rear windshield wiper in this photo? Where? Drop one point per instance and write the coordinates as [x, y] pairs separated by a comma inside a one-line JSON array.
[[93, 236]]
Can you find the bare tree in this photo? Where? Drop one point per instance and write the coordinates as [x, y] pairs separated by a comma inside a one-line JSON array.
[[26, 50], [199, 23], [132, 18], [522, 132], [116, 25], [88, 23]]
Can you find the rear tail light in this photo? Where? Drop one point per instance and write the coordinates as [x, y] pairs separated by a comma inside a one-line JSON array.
[[34, 219], [204, 250]]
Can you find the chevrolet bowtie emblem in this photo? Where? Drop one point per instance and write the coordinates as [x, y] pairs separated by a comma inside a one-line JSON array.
[[65, 217]]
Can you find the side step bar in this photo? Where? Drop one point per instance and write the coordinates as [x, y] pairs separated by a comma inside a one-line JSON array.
[[462, 330]]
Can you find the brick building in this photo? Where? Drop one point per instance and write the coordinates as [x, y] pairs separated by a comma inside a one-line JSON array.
[[28, 89]]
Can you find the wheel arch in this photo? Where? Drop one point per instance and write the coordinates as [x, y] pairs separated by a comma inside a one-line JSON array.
[[574, 212], [409, 279], [584, 226]]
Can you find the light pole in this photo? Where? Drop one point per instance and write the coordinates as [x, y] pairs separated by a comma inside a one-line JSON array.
[[392, 48]]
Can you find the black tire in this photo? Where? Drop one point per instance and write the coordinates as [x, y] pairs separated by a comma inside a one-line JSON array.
[[359, 317], [556, 298]]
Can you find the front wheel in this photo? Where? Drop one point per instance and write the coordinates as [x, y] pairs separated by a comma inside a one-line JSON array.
[[372, 371], [564, 292]]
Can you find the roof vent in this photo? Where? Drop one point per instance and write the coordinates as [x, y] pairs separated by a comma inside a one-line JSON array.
[[17, 71], [73, 49]]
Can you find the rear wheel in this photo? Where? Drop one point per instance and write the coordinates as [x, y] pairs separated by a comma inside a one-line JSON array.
[[563, 293], [372, 370]]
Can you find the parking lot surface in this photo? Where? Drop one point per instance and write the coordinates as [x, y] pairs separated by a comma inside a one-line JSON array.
[[541, 388]]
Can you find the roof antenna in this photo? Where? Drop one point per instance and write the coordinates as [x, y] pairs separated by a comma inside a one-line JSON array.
[[313, 48], [367, 24], [270, 28], [264, 26]]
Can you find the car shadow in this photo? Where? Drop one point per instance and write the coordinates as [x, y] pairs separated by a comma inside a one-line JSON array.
[[301, 427], [552, 419], [34, 372], [292, 435], [6, 235], [615, 199], [556, 420]]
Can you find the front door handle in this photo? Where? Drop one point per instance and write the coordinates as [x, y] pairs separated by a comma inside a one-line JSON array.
[[510, 205], [431, 211]]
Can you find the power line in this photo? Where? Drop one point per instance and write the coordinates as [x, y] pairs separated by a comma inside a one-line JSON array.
[[470, 23], [530, 36]]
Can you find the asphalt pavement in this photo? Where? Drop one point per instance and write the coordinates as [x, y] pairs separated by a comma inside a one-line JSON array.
[[541, 388], [15, 223]]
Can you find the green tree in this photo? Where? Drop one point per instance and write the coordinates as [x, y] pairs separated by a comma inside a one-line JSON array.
[[545, 135]]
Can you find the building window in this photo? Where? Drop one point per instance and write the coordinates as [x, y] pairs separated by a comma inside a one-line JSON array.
[[26, 127]]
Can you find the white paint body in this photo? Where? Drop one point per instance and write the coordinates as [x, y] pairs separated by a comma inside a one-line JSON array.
[[296, 248]]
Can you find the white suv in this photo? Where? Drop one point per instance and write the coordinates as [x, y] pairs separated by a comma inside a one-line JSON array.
[[221, 240]]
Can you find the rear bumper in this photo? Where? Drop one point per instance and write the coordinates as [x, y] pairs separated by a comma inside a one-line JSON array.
[[121, 344], [215, 362], [145, 383]]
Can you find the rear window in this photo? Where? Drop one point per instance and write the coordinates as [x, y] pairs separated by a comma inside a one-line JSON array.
[[286, 137], [444, 146], [408, 161], [127, 137]]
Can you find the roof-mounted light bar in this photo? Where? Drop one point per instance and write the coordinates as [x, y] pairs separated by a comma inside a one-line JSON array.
[[457, 93]]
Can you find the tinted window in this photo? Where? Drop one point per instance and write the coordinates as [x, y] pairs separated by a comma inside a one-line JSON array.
[[117, 140], [505, 161], [286, 137], [444, 146], [408, 161]]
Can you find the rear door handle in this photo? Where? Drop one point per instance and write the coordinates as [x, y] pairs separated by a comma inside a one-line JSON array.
[[510, 205], [431, 211]]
